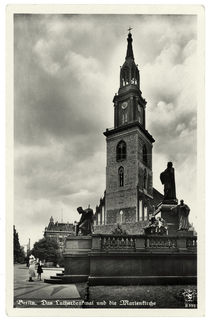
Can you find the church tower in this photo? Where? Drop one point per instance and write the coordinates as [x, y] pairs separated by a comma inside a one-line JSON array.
[[129, 186]]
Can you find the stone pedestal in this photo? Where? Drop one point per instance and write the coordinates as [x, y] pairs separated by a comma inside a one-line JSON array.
[[170, 217], [185, 233], [76, 258], [131, 259], [173, 201], [77, 244]]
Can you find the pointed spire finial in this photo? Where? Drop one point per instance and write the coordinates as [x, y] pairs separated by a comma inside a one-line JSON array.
[[129, 53]]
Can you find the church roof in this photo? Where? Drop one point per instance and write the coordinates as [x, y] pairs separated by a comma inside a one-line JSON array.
[[60, 227], [157, 197]]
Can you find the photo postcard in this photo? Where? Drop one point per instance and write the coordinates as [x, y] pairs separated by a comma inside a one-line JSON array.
[[105, 160]]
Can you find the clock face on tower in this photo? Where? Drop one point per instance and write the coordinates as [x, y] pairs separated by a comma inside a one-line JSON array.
[[124, 105]]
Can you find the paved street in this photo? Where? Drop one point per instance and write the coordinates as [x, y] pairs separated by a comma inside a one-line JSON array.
[[38, 289]]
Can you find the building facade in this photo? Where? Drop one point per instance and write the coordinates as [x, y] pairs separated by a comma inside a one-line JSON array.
[[129, 196], [58, 232]]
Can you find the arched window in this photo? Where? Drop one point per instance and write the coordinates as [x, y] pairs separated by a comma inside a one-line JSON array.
[[133, 75], [121, 151], [145, 154], [121, 176], [125, 72]]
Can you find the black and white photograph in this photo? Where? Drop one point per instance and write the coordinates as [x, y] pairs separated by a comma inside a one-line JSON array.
[[107, 144]]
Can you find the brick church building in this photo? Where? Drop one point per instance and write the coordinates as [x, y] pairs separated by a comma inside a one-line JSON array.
[[129, 197]]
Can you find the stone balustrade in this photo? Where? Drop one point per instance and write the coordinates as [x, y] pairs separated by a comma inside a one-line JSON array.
[[192, 243], [161, 243], [117, 242], [133, 243]]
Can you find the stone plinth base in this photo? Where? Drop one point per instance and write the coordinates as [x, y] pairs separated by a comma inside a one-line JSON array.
[[170, 217], [171, 201], [76, 259], [130, 259], [77, 244], [142, 268], [185, 233]]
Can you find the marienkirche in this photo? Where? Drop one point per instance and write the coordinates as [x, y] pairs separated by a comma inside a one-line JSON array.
[[129, 196]]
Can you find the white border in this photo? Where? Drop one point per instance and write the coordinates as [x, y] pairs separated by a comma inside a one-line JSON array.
[[121, 9]]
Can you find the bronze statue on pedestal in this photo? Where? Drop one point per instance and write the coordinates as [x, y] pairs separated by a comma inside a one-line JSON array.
[[168, 180], [183, 211], [85, 225]]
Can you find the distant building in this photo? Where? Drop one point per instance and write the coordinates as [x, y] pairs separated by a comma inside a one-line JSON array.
[[58, 231]]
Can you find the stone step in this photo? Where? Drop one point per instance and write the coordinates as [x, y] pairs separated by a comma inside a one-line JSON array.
[[54, 277], [67, 279], [59, 274], [75, 278], [53, 281]]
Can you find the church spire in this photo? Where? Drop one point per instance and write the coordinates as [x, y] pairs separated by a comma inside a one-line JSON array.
[[129, 53], [128, 102], [129, 73]]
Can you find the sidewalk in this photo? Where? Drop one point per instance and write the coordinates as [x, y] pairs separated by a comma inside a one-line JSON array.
[[25, 290]]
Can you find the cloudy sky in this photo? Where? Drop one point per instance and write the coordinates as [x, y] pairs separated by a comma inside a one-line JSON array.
[[66, 74]]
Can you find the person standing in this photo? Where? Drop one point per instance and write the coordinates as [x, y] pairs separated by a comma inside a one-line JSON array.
[[39, 271], [31, 269]]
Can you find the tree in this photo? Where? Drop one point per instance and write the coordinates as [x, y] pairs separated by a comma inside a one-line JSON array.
[[46, 249], [19, 255]]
